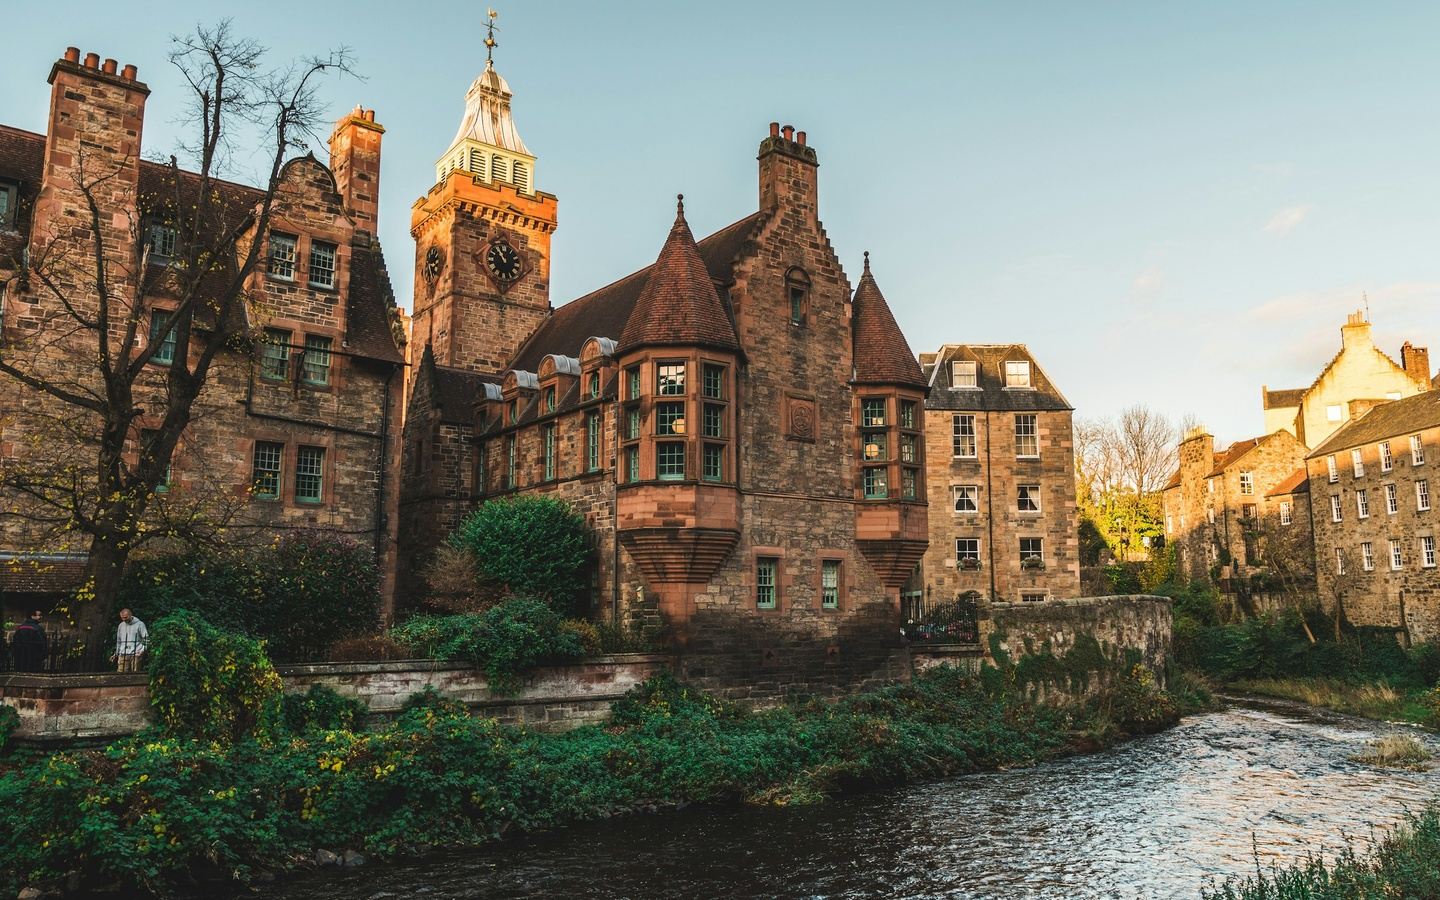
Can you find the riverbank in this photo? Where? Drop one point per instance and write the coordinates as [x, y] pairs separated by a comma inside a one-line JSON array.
[[154, 813], [1372, 699]]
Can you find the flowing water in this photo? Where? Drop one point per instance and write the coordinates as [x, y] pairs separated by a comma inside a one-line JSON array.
[[1154, 817]]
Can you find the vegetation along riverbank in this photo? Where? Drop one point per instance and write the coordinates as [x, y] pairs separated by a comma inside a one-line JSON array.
[[252, 782]]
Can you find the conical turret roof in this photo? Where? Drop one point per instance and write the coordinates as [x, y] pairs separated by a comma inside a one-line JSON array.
[[487, 114], [679, 305], [882, 355]]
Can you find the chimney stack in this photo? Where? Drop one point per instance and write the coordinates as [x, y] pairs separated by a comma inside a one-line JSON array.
[[355, 161], [1416, 363], [788, 172]]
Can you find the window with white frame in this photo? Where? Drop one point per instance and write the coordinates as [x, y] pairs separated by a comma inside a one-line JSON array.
[[309, 474], [1210, 486], [322, 264], [1367, 557], [829, 584], [1027, 436], [1427, 551], [963, 373], [1032, 598], [1247, 483], [1396, 562], [1334, 412], [967, 549], [964, 437], [1422, 495], [1017, 373], [1362, 504], [1339, 560], [1027, 498], [1392, 499], [282, 256], [1331, 470], [1169, 524], [316, 359], [967, 498], [1287, 513], [1357, 463], [1334, 507], [265, 470], [1210, 515], [275, 354], [1032, 549], [1247, 510], [161, 239], [1387, 460], [1417, 450]]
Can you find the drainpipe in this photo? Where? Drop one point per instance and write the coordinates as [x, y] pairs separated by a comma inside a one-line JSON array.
[[990, 504], [380, 519]]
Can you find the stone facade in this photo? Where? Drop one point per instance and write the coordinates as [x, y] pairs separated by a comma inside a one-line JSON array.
[[340, 406], [992, 486]]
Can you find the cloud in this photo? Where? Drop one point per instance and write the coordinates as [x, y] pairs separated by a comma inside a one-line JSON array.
[[1286, 220], [1149, 284]]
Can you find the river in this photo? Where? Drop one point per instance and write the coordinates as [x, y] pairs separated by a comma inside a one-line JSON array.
[[1154, 817]]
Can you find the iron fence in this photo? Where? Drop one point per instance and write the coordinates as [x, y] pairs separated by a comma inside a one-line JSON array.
[[62, 654], [955, 622]]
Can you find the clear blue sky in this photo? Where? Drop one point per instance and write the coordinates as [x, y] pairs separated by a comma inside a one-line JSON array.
[[1170, 203]]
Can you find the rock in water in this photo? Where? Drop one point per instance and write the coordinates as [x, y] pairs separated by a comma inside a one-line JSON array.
[[353, 859], [326, 858]]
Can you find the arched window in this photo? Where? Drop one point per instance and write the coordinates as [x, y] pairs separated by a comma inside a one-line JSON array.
[[520, 176], [797, 292]]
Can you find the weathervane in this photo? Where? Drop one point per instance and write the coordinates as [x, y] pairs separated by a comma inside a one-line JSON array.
[[490, 43]]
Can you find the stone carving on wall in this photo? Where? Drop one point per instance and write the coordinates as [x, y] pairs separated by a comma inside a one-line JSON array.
[[800, 422]]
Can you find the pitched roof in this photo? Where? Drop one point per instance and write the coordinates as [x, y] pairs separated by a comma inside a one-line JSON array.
[[1393, 419], [679, 304], [370, 305], [990, 393], [22, 159], [604, 312], [1298, 482], [1282, 399], [41, 573], [1174, 481], [1231, 455], [882, 355], [457, 391]]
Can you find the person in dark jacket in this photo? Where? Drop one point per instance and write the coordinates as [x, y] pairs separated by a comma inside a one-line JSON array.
[[28, 645]]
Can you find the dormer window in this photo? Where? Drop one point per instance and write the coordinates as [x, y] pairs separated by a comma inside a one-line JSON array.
[[161, 239], [1017, 373], [963, 373], [594, 384], [550, 399], [797, 289], [9, 204]]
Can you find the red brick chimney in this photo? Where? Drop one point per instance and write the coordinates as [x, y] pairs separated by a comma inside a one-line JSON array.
[[355, 160], [1416, 363], [788, 172]]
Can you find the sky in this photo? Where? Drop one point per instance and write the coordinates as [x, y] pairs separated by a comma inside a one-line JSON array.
[[1171, 204]]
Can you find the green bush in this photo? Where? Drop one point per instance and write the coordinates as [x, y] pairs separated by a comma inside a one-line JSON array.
[[300, 594], [504, 641], [9, 721], [529, 546], [322, 709], [210, 684]]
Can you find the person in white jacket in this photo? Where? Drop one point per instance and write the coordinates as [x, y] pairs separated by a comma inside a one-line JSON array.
[[131, 638]]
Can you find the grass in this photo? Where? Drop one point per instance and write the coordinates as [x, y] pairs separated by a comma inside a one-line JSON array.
[[1373, 700], [1398, 751]]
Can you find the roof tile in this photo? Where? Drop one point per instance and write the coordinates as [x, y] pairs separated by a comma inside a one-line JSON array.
[[882, 356]]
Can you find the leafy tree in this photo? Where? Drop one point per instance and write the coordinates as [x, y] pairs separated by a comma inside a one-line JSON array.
[[529, 546]]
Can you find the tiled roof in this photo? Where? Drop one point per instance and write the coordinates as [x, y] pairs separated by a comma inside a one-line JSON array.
[[370, 309], [1282, 399], [679, 305], [1231, 455], [1388, 420], [1298, 482], [990, 393], [881, 354], [22, 156], [1173, 483], [603, 313], [24, 573]]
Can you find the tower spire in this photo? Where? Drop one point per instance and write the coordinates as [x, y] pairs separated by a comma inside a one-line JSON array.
[[490, 42]]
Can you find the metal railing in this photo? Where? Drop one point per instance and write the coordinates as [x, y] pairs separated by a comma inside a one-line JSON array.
[[955, 622], [62, 654]]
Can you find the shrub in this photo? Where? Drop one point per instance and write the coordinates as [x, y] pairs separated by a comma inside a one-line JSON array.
[[300, 594], [528, 546], [321, 708], [504, 641], [366, 648], [454, 582], [208, 683], [9, 721]]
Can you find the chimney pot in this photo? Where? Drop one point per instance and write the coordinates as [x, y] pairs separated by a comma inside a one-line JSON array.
[[72, 54], [800, 137], [109, 67], [789, 131], [92, 60], [129, 73], [369, 115], [774, 126]]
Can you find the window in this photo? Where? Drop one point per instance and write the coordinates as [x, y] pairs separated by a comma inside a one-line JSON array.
[[909, 448], [322, 264], [1367, 557], [907, 414], [1017, 373], [670, 379], [1210, 486], [967, 498], [275, 355], [164, 353], [1387, 461], [1427, 551], [161, 239], [963, 374], [520, 176], [1027, 439], [964, 424], [9, 203], [309, 474], [877, 446], [909, 484], [670, 461], [265, 470], [1362, 504], [767, 590], [967, 549], [499, 167], [594, 384], [1032, 548], [1392, 500], [510, 481], [1417, 450], [1334, 413], [1357, 463], [1331, 470], [549, 452], [797, 289], [514, 410], [317, 359], [1247, 483], [876, 484], [1422, 495], [1334, 507], [1027, 498], [632, 383], [632, 465], [1396, 563], [549, 399], [632, 423], [872, 412], [669, 418], [712, 383], [592, 441], [1210, 515], [712, 421], [148, 437], [1339, 561], [282, 256], [1247, 511], [713, 462], [1032, 598], [1169, 524], [1287, 514], [829, 584]]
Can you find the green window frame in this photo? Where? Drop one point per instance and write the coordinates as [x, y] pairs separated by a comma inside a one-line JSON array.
[[275, 355], [876, 446], [632, 383], [670, 418], [876, 483], [592, 442], [909, 448], [670, 379], [767, 587], [830, 584], [317, 360], [632, 423], [309, 474], [266, 468], [713, 464], [907, 414], [594, 384], [713, 382], [670, 461], [510, 463], [148, 437], [549, 452], [909, 484], [165, 349], [632, 465], [712, 424], [872, 412]]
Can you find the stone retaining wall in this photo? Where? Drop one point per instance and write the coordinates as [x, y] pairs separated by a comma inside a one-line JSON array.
[[1138, 622]]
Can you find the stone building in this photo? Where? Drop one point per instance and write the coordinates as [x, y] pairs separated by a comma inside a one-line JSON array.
[[298, 427], [1356, 378], [1217, 503], [1001, 479], [744, 435], [1371, 485]]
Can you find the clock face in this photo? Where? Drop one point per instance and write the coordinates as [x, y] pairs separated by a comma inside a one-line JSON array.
[[434, 262], [503, 263]]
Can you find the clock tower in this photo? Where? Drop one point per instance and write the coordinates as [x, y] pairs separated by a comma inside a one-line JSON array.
[[482, 238]]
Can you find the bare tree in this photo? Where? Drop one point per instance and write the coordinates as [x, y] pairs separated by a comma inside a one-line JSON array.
[[1286, 556], [115, 422], [1120, 467]]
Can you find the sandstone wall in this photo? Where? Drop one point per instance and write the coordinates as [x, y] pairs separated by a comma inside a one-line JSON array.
[[1130, 622]]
